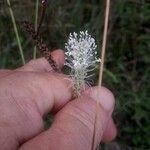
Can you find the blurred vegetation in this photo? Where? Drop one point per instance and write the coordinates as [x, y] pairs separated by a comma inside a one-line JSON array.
[[128, 54]]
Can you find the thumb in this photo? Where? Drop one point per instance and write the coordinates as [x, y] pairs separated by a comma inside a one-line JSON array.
[[73, 126]]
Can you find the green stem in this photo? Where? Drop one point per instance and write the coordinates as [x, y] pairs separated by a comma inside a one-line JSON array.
[[16, 32], [36, 26]]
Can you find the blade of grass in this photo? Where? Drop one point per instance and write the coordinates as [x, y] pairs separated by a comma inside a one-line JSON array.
[[16, 32], [104, 43], [36, 26]]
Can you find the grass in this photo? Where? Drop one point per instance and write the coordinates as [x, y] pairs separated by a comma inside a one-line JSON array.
[[16, 31], [127, 59]]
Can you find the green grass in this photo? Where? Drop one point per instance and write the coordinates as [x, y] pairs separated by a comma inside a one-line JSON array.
[[127, 57]]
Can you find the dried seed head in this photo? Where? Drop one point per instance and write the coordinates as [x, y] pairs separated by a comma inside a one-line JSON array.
[[40, 44]]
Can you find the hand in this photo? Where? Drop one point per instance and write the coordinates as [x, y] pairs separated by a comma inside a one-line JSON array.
[[30, 92]]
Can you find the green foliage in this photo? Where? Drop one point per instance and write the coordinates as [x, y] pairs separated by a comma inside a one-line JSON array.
[[127, 60]]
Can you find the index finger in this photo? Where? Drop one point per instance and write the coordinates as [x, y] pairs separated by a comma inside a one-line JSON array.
[[42, 65], [48, 91]]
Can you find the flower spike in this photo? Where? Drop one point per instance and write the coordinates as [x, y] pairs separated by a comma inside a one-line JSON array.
[[81, 58]]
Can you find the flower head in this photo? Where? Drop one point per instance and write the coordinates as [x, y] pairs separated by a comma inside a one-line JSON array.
[[81, 56]]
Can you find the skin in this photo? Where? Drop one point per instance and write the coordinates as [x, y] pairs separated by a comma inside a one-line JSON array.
[[30, 92]]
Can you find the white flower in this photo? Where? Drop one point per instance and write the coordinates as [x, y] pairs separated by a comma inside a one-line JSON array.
[[81, 57]]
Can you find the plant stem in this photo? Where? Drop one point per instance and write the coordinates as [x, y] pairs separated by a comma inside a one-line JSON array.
[[36, 26], [44, 5], [16, 32], [104, 43]]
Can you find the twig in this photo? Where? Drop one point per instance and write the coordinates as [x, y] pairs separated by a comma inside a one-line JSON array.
[[16, 31], [102, 64]]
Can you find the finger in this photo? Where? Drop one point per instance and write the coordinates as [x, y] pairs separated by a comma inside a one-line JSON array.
[[73, 126], [42, 65], [49, 91], [106, 99], [28, 97], [39, 65], [110, 132], [4, 73]]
